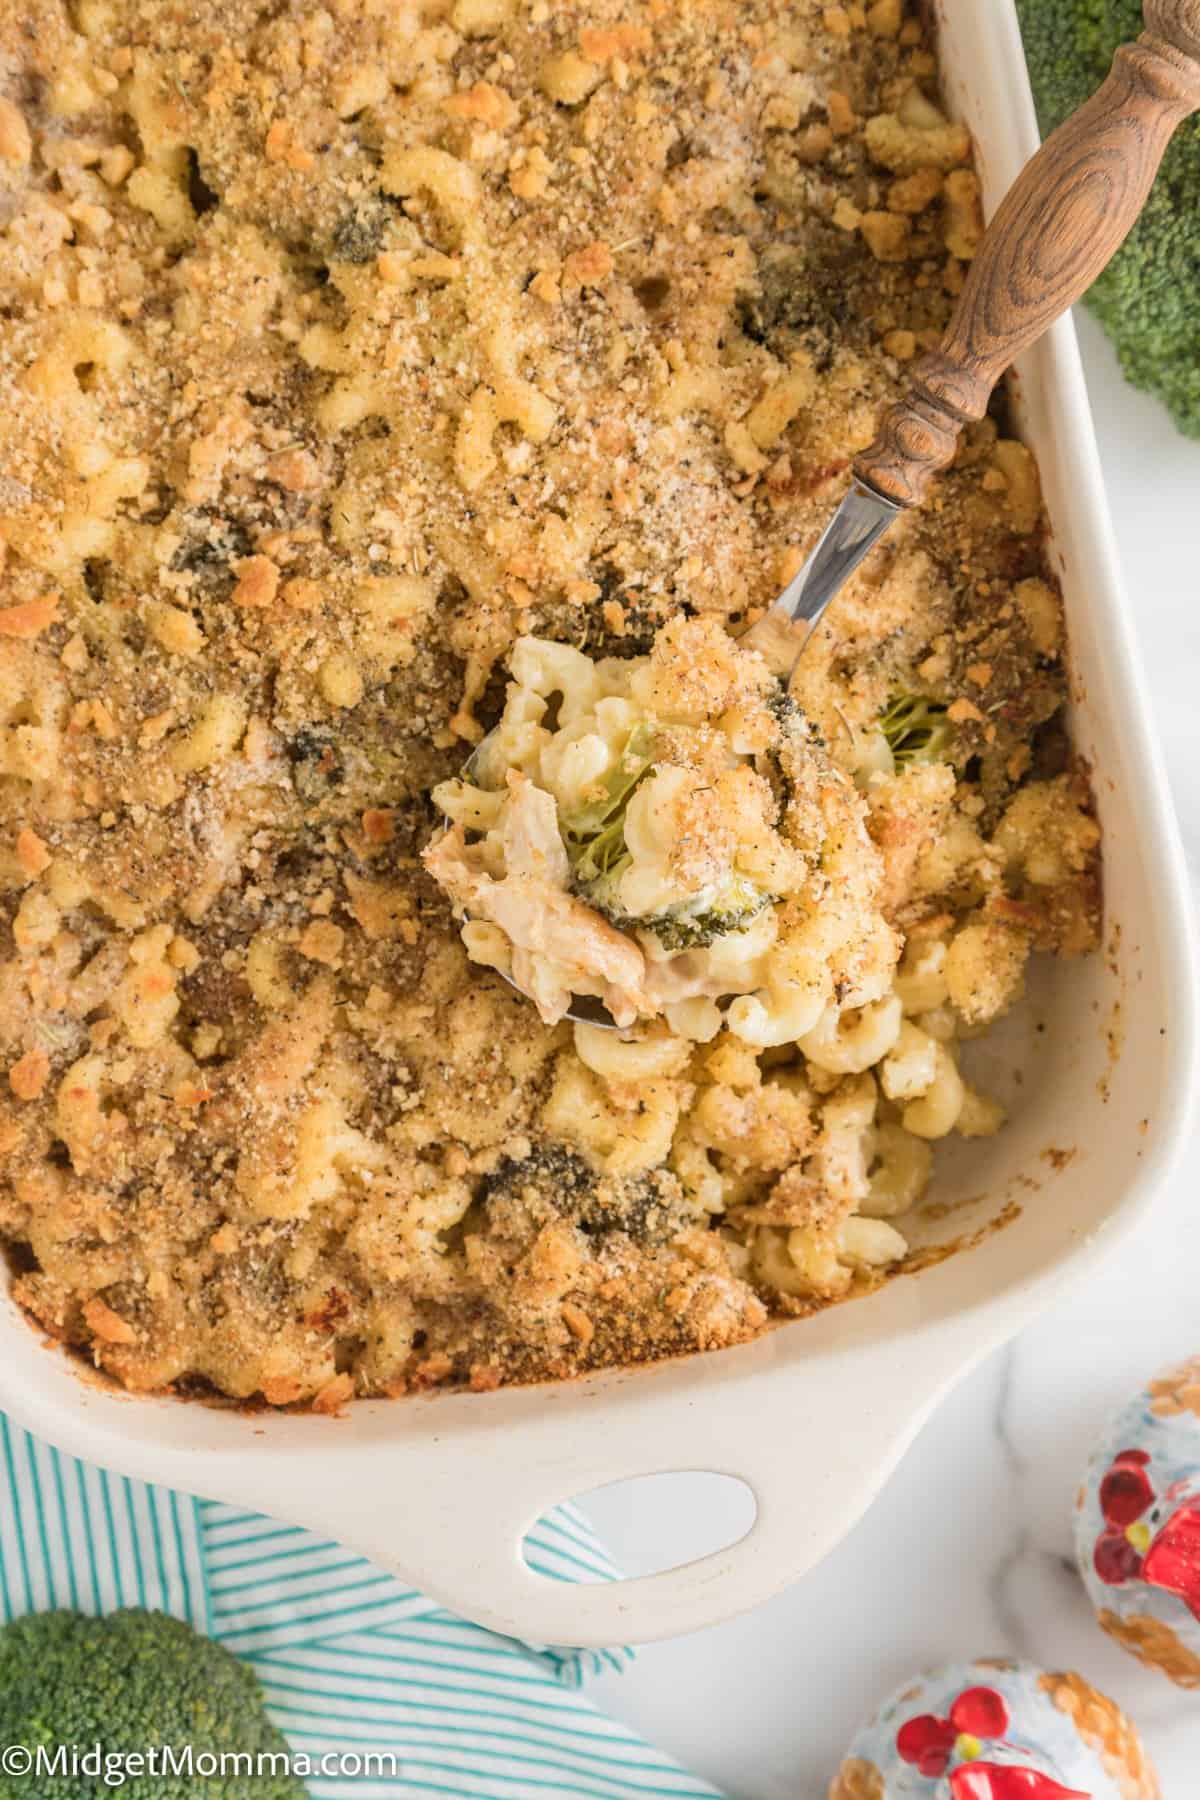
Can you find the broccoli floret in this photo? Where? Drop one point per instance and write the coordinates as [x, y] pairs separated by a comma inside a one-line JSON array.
[[359, 234], [594, 836], [601, 860], [917, 730], [694, 927], [132, 1681], [553, 1182], [1148, 299]]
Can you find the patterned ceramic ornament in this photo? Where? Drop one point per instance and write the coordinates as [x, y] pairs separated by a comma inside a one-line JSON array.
[[996, 1731], [1137, 1532]]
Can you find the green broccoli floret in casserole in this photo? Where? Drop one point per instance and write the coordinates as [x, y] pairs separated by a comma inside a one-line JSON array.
[[917, 730], [594, 834], [734, 906]]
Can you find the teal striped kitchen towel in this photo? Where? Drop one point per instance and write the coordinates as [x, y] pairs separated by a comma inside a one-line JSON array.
[[351, 1660]]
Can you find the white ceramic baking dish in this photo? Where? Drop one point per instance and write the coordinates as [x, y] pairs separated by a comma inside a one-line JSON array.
[[816, 1414]]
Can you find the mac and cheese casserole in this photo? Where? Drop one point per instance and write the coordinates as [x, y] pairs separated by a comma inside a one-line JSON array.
[[387, 385]]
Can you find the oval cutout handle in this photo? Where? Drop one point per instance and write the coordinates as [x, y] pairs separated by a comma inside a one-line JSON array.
[[491, 1583], [838, 1427]]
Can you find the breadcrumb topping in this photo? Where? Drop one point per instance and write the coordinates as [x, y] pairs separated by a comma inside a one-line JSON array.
[[344, 346]]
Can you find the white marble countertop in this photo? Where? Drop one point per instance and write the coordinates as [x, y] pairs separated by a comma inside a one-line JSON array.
[[968, 1552]]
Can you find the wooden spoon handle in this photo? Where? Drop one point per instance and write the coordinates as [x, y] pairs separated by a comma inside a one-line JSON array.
[[1059, 225]]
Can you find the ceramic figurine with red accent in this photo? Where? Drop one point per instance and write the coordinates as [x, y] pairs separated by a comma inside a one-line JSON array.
[[996, 1731], [1138, 1525]]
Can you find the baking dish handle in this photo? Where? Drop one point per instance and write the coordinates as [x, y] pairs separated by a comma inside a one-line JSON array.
[[813, 1470]]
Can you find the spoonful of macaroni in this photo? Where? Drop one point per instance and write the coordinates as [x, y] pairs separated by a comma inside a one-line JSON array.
[[662, 837]]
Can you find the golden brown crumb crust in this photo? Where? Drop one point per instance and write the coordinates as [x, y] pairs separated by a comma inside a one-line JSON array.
[[340, 345]]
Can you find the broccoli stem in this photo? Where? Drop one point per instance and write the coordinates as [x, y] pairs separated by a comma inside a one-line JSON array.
[[917, 730]]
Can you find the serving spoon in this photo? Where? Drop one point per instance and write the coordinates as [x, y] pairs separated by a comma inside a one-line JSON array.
[[1057, 229]]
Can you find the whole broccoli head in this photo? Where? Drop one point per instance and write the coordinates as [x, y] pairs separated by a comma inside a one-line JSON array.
[[1148, 299], [132, 1681]]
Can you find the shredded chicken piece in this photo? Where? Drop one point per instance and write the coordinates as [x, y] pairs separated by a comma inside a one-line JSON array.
[[543, 921], [532, 842]]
